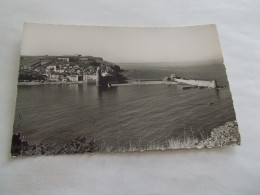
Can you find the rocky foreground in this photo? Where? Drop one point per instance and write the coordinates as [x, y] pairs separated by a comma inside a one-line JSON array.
[[224, 135]]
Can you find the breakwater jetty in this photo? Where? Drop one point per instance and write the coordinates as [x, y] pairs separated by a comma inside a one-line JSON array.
[[174, 80], [198, 83], [146, 82], [192, 82], [186, 83]]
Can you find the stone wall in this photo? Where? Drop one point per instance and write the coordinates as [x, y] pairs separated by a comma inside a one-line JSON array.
[[199, 83]]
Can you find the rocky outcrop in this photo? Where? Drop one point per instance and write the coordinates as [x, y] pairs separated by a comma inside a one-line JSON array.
[[80, 144], [223, 135], [226, 134]]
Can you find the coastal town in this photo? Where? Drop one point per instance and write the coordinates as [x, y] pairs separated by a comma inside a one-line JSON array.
[[65, 69], [37, 70]]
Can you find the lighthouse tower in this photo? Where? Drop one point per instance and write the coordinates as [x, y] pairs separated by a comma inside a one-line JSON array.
[[99, 77]]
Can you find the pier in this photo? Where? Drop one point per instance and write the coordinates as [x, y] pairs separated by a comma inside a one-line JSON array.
[[148, 82]]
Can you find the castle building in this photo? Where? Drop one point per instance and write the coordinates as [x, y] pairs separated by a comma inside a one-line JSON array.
[[99, 77]]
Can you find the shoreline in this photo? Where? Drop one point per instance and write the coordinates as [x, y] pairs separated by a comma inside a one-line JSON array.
[[134, 82], [128, 82], [48, 83], [115, 84], [223, 135], [146, 83]]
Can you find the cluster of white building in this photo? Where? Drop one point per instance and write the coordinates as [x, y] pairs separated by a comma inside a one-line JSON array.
[[70, 73]]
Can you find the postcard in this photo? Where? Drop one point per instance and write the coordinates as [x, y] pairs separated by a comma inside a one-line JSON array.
[[87, 89]]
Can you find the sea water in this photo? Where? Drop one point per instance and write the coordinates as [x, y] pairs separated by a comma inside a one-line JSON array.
[[126, 114]]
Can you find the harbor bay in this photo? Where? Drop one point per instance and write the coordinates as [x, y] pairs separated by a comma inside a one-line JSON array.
[[123, 115]]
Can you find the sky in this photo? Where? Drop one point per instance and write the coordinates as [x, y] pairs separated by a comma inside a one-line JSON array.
[[125, 44]]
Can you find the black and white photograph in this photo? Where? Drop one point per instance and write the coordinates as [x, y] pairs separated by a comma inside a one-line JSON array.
[[129, 97], [84, 89]]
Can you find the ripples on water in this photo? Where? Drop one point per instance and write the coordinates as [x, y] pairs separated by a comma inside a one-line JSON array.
[[150, 113]]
